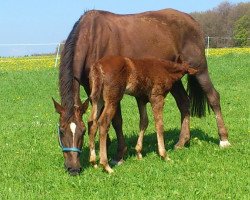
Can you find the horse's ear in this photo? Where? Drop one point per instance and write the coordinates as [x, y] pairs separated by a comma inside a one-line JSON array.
[[84, 106], [58, 107]]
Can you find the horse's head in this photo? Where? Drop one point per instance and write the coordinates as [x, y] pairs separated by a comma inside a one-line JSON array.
[[71, 130]]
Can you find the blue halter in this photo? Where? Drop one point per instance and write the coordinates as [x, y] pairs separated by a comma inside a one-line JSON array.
[[67, 149]]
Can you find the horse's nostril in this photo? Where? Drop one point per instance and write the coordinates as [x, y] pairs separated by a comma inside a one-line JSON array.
[[74, 171]]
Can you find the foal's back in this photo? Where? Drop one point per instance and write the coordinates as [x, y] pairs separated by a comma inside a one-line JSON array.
[[137, 77]]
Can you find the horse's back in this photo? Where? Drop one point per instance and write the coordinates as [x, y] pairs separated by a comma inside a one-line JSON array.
[[160, 34]]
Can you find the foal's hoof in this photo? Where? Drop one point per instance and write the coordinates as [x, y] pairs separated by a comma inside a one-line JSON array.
[[93, 163], [178, 147], [108, 169], [224, 144], [115, 162], [166, 158], [139, 156]]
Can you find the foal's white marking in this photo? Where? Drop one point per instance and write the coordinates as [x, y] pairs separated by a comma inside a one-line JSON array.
[[224, 144], [73, 130]]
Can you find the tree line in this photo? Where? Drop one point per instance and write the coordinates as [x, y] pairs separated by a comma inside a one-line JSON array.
[[226, 25]]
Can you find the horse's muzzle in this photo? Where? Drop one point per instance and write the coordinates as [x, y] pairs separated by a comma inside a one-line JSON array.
[[74, 171]]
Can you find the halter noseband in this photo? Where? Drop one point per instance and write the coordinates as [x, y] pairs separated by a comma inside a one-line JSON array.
[[67, 149]]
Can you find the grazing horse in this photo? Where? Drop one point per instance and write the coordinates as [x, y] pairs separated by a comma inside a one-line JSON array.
[[148, 80], [162, 34]]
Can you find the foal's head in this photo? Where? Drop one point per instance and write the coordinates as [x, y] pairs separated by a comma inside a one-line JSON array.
[[71, 130], [189, 69]]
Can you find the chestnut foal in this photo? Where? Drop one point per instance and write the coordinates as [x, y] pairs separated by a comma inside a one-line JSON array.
[[148, 80]]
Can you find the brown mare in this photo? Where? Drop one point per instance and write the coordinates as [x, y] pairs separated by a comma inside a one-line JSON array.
[[162, 34], [148, 80]]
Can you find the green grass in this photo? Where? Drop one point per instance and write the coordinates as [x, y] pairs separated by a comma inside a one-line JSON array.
[[31, 162]]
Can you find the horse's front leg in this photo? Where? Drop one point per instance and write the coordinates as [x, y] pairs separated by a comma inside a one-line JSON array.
[[121, 146], [143, 126], [182, 101]]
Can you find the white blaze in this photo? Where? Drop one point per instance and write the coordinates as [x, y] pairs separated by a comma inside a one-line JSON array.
[[73, 130]]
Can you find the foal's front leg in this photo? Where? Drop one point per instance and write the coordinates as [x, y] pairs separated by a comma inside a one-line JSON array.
[[92, 129], [104, 124], [157, 103], [143, 126]]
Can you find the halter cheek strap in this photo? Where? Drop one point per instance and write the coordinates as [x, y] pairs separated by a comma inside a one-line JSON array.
[[67, 149]]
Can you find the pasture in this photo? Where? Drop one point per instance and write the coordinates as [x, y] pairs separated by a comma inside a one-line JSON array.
[[31, 162]]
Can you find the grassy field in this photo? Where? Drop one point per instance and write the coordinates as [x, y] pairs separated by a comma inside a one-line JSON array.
[[31, 162]]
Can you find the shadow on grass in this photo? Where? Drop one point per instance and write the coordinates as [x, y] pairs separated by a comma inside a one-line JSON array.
[[149, 144]]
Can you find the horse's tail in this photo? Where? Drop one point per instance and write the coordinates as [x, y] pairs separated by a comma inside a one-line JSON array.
[[198, 99], [96, 82]]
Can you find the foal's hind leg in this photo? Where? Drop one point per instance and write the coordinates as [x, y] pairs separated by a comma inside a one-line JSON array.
[[121, 146], [143, 126], [214, 101], [182, 101]]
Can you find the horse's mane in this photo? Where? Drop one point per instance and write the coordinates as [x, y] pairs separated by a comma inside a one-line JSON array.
[[66, 76]]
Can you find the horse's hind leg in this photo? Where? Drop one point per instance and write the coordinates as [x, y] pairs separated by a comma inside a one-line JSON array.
[[214, 101], [143, 126], [104, 124], [121, 146], [182, 101]]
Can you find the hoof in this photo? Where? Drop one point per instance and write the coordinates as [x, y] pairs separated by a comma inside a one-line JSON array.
[[177, 147], [166, 158], [115, 162], [93, 163], [224, 144], [108, 169], [139, 156]]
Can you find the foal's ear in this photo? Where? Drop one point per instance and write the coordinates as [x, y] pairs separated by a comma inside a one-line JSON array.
[[179, 59], [84, 106], [58, 107], [192, 71]]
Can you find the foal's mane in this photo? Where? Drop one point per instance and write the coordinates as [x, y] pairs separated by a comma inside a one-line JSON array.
[[66, 76]]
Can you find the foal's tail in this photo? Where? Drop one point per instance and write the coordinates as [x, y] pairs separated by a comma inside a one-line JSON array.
[[96, 82], [198, 99]]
